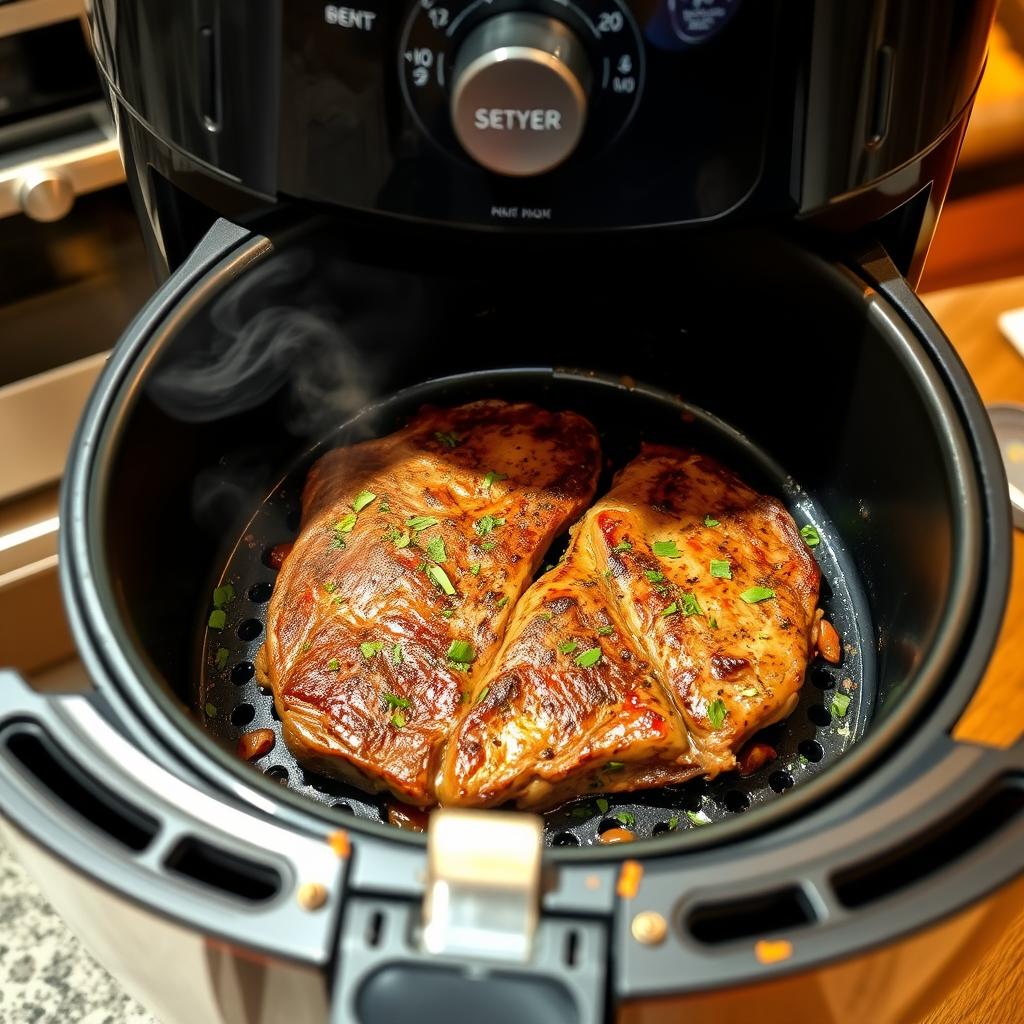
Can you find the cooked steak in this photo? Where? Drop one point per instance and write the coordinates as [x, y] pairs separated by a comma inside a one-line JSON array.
[[413, 552], [680, 621]]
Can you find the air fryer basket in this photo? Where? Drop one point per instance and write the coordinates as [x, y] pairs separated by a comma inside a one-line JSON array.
[[771, 358]]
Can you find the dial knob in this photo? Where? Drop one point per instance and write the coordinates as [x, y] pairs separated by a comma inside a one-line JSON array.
[[519, 93]]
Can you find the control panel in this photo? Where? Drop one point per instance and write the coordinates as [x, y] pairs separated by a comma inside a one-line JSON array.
[[517, 88]]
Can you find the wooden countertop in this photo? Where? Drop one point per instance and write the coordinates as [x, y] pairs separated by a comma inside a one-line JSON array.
[[994, 991]]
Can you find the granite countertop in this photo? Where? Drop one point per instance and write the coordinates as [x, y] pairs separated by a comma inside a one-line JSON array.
[[46, 975]]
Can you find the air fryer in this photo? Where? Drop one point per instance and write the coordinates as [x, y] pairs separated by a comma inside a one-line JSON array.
[[700, 225]]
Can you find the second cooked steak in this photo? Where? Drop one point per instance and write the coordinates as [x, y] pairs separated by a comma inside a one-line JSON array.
[[412, 553]]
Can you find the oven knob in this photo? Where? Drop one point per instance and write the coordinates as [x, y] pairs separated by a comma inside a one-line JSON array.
[[519, 93], [45, 195]]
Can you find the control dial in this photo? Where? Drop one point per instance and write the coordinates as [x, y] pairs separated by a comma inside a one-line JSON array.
[[519, 93]]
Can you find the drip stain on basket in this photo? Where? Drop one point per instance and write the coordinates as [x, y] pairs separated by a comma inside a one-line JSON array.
[[806, 744]]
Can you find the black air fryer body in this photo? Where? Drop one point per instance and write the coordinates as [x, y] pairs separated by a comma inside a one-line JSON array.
[[695, 221]]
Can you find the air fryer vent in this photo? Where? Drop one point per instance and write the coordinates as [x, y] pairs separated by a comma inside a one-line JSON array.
[[82, 794], [914, 861], [748, 916], [221, 869]]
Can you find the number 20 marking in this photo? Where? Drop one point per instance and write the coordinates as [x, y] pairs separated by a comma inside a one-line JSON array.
[[610, 21]]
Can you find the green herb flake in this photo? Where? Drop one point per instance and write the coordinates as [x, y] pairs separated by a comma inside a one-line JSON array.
[[712, 622], [394, 701], [420, 523], [622, 546], [440, 579], [710, 522], [396, 654], [447, 613], [717, 713], [698, 818], [218, 619], [840, 704], [666, 549], [475, 568], [448, 440], [588, 659], [547, 615], [384, 506], [721, 569], [221, 659], [606, 630], [810, 535], [370, 649], [362, 499], [490, 545], [485, 524], [673, 823], [330, 587], [482, 695], [461, 651], [306, 646], [654, 576], [672, 609], [346, 523], [750, 691], [398, 720], [691, 606], [435, 549], [625, 818], [211, 710], [333, 665], [568, 647], [492, 478], [223, 596], [756, 594], [602, 804], [502, 601], [614, 766], [402, 540]]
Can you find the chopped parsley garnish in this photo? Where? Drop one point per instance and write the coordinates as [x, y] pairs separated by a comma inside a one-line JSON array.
[[750, 691], [721, 569], [330, 586], [698, 818], [666, 549], [221, 660], [485, 524], [717, 712], [420, 523], [568, 647], [333, 665], [385, 505], [398, 720], [492, 478], [672, 823], [223, 595], [211, 710], [362, 499], [606, 630], [482, 695], [623, 545], [589, 658], [396, 702], [490, 545], [502, 601], [370, 649], [654, 576], [810, 535], [602, 804], [614, 766], [448, 440], [547, 615], [436, 550], [447, 613], [691, 606], [756, 594], [346, 523], [711, 522], [840, 704], [712, 622], [461, 651], [218, 619], [396, 654], [306, 646], [625, 817], [402, 540], [475, 568], [672, 609], [440, 579]]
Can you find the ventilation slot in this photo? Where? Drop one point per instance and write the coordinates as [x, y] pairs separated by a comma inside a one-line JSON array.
[[927, 854], [729, 920], [66, 782], [228, 872]]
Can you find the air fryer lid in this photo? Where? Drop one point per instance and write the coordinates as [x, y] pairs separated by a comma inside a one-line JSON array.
[[872, 418]]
